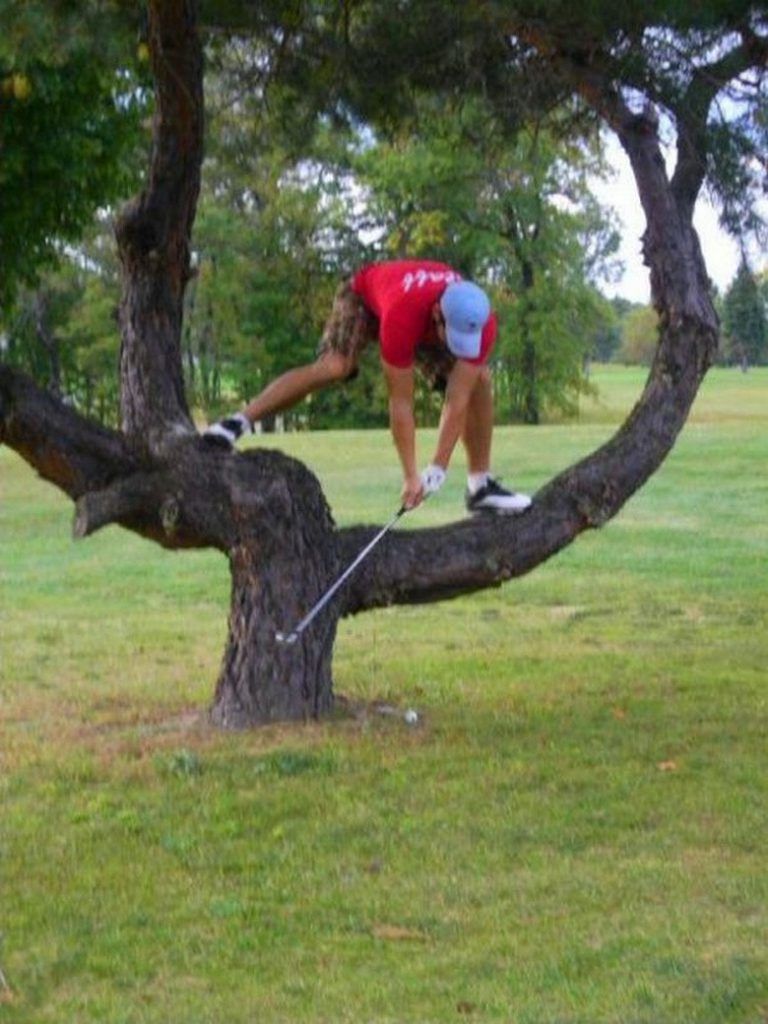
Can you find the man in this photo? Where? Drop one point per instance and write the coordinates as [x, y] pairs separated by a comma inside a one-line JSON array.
[[423, 314]]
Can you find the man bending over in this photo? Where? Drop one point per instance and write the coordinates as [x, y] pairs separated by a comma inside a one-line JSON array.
[[423, 315]]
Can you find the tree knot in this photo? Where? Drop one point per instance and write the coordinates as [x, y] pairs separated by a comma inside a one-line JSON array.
[[595, 510], [170, 514]]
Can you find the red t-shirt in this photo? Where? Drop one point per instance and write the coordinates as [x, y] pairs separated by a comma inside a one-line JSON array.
[[401, 294]]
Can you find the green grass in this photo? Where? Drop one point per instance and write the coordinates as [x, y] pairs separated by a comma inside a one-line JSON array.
[[575, 832]]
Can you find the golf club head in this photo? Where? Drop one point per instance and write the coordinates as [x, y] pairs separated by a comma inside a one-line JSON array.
[[286, 638], [291, 638]]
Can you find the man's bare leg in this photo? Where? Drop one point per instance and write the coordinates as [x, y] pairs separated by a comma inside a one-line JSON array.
[[282, 393], [484, 494], [293, 385], [478, 427]]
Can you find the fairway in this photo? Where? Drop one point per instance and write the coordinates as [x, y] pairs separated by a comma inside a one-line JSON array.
[[574, 832]]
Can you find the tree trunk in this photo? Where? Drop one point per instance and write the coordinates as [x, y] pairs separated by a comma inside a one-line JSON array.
[[48, 341], [262, 510], [283, 554], [262, 680], [153, 235], [530, 409]]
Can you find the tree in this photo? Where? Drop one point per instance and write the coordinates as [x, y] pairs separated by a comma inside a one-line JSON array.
[[267, 513], [64, 330], [33, 332], [606, 337], [639, 336], [262, 281], [746, 330]]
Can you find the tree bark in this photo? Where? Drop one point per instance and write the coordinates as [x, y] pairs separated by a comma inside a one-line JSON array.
[[529, 391], [262, 680]]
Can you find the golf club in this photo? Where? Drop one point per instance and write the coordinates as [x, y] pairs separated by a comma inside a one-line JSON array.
[[295, 633]]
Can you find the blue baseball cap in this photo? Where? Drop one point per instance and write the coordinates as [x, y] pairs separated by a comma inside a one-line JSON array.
[[466, 309]]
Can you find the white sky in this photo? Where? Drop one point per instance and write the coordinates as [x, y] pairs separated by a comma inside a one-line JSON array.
[[721, 253]]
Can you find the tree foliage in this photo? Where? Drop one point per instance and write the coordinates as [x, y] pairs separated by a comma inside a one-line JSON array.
[[639, 336], [63, 330], [70, 119], [433, 171], [744, 319], [699, 64]]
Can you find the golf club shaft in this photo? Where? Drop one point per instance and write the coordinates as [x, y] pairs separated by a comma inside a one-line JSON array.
[[297, 630]]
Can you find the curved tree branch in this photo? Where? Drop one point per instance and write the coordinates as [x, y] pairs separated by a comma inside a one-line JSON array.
[[430, 565], [433, 564], [70, 451]]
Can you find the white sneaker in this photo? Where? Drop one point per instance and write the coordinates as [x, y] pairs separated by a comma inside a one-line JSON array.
[[492, 497], [229, 430]]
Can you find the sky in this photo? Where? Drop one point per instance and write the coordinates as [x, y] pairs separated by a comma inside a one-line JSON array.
[[721, 253]]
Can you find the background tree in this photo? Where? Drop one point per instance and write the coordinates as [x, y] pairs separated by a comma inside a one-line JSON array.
[[33, 338], [606, 337], [745, 329], [71, 103], [64, 330], [556, 238], [639, 336], [273, 238], [266, 513]]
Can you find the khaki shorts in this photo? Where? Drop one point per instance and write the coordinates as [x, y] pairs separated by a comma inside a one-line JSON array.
[[351, 327]]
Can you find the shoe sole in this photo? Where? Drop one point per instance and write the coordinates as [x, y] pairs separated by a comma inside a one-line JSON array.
[[217, 441], [498, 511]]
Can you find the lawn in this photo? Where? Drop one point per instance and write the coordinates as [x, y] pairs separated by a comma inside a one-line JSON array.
[[575, 830]]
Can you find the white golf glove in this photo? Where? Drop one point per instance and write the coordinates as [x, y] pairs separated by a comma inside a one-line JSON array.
[[432, 478]]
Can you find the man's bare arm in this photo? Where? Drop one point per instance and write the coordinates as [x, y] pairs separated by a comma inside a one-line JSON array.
[[461, 384], [400, 383]]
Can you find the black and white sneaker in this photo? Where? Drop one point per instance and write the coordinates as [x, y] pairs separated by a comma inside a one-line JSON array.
[[228, 431], [492, 497]]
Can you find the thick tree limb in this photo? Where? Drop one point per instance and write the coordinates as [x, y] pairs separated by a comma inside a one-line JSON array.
[[72, 452], [431, 565], [136, 498], [97, 469], [168, 505], [153, 235], [693, 111], [195, 496]]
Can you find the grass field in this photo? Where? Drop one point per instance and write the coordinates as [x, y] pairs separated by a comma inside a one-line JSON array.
[[574, 832]]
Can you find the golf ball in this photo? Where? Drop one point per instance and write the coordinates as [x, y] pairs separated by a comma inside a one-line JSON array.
[[411, 717]]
